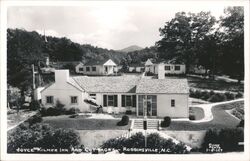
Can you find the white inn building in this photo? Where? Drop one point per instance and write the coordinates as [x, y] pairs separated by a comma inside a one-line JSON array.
[[117, 94]]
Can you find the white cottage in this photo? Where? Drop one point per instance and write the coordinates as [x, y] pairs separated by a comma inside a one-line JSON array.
[[169, 68], [118, 94], [93, 67]]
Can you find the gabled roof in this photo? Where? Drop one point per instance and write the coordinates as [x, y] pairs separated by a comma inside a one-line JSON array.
[[110, 63], [112, 84], [148, 62], [99, 62], [162, 86]]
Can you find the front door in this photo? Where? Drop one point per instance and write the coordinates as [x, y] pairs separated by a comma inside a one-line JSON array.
[[147, 105]]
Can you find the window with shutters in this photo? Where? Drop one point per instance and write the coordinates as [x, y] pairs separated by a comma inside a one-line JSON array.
[[128, 100], [110, 100]]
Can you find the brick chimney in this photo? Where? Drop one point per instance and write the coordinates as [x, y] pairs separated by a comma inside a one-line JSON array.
[[61, 76]]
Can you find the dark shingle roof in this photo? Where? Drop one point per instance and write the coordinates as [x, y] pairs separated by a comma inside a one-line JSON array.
[[162, 86]]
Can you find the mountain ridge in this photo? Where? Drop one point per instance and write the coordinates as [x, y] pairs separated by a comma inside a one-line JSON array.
[[131, 48]]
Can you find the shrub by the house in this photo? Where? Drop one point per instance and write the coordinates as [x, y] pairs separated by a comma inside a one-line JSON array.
[[154, 141], [192, 117], [72, 111], [35, 105], [55, 111], [43, 136], [124, 121], [227, 139], [166, 122], [60, 107]]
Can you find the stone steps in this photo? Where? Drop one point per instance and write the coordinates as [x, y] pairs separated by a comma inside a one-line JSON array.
[[151, 124]]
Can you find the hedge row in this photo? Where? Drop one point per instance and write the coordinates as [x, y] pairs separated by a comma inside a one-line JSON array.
[[212, 96], [137, 141], [58, 109], [42, 136]]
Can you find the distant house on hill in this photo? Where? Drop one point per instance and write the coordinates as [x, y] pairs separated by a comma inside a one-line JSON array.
[[95, 67], [170, 68], [136, 68]]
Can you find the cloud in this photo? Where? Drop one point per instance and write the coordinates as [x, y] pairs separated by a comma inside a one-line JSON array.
[[110, 25]]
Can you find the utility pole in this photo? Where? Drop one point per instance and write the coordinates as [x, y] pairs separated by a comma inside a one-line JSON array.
[[33, 76], [145, 119]]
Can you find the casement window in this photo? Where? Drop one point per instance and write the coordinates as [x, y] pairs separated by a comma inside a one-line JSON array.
[[93, 69], [87, 69], [81, 69], [73, 100], [49, 99], [172, 103], [110, 100], [167, 67], [92, 96], [128, 100], [177, 67]]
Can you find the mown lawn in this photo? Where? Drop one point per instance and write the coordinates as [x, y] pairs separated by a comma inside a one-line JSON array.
[[84, 124], [221, 119]]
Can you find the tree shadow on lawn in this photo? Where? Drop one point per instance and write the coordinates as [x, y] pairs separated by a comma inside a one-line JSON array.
[[221, 119]]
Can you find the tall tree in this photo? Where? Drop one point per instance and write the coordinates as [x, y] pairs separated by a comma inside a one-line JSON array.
[[232, 35], [181, 34]]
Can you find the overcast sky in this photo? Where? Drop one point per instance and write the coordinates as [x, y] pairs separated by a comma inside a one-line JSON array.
[[108, 25]]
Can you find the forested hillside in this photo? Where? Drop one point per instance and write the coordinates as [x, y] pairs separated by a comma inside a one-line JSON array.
[[25, 48]]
